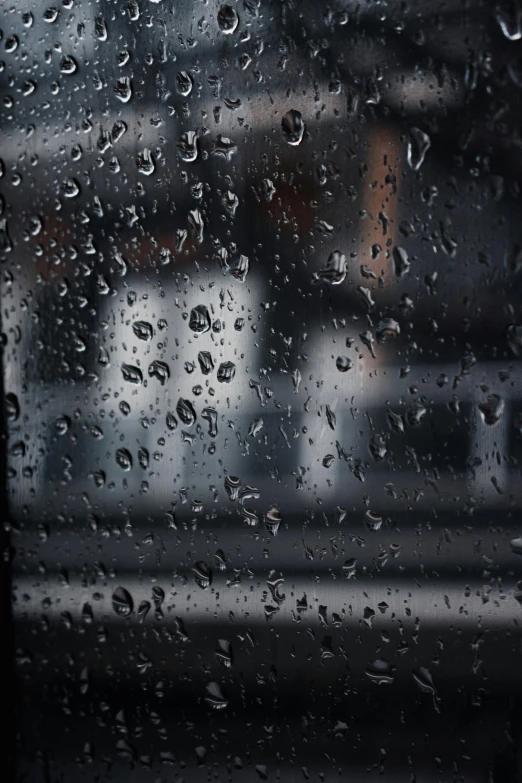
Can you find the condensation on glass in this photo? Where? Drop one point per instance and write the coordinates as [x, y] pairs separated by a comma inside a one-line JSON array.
[[261, 317]]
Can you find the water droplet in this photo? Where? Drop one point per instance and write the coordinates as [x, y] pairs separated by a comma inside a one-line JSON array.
[[224, 653], [145, 162], [418, 145], [143, 330], [335, 270], [71, 188], [197, 225], [171, 421], [226, 372], [510, 22], [331, 418], [28, 87], [214, 697], [293, 127], [349, 568], [491, 409], [100, 28], [378, 448], [368, 616], [202, 574], [230, 202], [143, 610], [224, 147], [388, 327], [400, 261], [186, 412], [159, 370], [68, 64], [199, 320], [62, 425], [123, 89], [343, 363], [205, 362], [184, 83], [11, 44], [118, 129], [273, 521], [132, 374], [227, 19], [122, 602], [239, 268], [12, 407], [232, 487], [188, 147], [514, 339], [373, 521], [380, 671], [415, 414], [124, 459]]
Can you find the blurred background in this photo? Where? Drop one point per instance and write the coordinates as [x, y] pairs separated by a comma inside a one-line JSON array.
[[262, 329]]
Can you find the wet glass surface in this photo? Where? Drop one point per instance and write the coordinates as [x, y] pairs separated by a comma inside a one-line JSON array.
[[261, 314]]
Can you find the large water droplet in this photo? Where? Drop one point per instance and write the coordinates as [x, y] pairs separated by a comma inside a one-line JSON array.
[[68, 64], [123, 89], [273, 520], [124, 459], [380, 671], [491, 409], [143, 330], [335, 270], [227, 19], [293, 127], [199, 320], [226, 372], [418, 145], [214, 697], [186, 412], [184, 83], [188, 147], [510, 22], [122, 602], [159, 370], [132, 374], [202, 574], [145, 162]]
